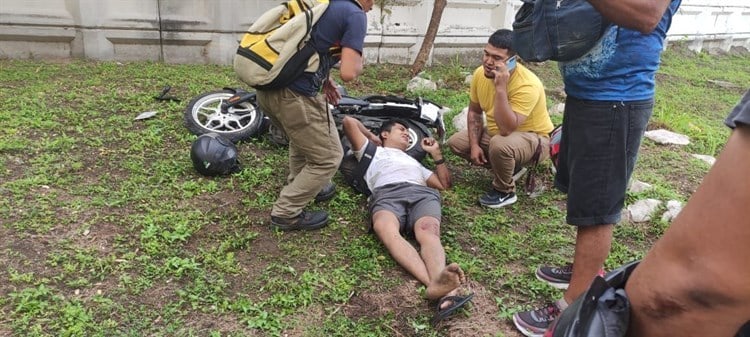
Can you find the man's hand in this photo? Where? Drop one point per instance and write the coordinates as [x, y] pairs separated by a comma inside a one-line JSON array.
[[375, 139], [477, 156], [332, 94], [441, 179], [502, 75], [431, 146]]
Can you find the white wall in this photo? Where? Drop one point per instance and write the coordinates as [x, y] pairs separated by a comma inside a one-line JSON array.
[[207, 31], [719, 24]]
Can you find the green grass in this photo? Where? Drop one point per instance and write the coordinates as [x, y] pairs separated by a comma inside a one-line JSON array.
[[108, 231]]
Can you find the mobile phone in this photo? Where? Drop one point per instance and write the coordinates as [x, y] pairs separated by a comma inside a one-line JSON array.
[[510, 63]]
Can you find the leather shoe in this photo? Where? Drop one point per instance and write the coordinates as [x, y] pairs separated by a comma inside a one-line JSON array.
[[326, 193], [304, 221]]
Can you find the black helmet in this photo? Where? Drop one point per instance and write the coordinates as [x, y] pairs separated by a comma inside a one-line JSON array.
[[213, 154]]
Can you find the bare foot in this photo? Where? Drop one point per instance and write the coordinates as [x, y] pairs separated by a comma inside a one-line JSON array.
[[449, 279]]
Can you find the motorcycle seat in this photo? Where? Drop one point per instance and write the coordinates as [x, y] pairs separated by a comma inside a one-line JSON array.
[[349, 101]]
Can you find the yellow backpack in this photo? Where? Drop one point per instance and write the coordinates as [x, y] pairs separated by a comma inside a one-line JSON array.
[[274, 51]]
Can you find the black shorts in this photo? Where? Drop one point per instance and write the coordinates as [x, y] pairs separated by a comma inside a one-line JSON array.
[[598, 151], [408, 202]]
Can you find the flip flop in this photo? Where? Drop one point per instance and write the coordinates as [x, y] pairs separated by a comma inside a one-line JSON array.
[[458, 302]]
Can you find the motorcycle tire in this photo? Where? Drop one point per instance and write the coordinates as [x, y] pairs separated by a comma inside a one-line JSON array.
[[277, 136], [416, 134], [203, 115]]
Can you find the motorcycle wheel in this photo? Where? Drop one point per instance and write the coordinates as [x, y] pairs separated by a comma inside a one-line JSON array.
[[415, 141], [277, 136], [203, 115]]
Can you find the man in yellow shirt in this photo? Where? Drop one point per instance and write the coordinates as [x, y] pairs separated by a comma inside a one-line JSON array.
[[517, 127]]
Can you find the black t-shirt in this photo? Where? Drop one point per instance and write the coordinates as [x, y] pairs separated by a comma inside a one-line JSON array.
[[741, 113]]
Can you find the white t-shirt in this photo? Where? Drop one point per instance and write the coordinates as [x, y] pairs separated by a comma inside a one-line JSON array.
[[390, 166]]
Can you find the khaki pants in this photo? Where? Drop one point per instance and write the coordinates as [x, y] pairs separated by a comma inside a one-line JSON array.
[[314, 146], [503, 153]]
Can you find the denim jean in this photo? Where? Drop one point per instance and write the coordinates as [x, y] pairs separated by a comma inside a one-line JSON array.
[[598, 151]]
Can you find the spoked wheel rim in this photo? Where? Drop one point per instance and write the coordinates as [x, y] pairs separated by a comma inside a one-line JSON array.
[[207, 113], [413, 138]]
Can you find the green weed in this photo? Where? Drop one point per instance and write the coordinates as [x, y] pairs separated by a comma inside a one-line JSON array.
[[108, 231]]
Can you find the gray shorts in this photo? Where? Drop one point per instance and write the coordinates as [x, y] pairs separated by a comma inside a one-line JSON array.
[[408, 202]]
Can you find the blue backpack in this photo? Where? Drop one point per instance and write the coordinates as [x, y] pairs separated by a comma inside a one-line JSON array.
[[558, 30]]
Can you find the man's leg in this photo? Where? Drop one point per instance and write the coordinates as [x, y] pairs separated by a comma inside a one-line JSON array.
[[314, 140], [297, 162], [596, 193], [429, 267], [443, 280], [591, 250], [507, 153], [459, 144], [696, 281], [595, 167], [386, 227]]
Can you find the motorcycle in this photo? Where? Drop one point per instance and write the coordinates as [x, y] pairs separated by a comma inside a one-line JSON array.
[[234, 113]]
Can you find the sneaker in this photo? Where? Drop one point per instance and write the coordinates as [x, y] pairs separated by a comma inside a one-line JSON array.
[[326, 193], [535, 322], [497, 199], [558, 277], [304, 221]]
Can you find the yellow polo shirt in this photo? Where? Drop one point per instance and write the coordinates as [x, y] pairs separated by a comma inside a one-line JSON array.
[[525, 95]]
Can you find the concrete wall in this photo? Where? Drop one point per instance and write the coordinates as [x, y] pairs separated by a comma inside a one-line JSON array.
[[713, 24], [207, 31]]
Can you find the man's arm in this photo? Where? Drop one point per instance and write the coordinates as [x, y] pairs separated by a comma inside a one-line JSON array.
[[441, 178], [707, 245], [357, 133], [474, 123], [506, 119], [351, 64], [475, 129], [640, 15]]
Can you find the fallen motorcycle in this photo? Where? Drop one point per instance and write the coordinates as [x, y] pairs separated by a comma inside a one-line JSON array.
[[234, 113]]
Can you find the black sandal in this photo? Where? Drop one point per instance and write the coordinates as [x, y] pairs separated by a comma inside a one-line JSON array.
[[457, 303]]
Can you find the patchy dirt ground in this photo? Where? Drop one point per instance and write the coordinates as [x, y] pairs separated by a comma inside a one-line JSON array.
[[126, 239]]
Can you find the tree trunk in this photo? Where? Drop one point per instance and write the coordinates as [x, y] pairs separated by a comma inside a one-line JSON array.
[[429, 37]]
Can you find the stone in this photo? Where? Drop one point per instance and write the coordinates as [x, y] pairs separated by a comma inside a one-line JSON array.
[[459, 121], [468, 79], [673, 208], [662, 136], [708, 159], [642, 210], [420, 84], [558, 108], [556, 92], [724, 84], [639, 186]]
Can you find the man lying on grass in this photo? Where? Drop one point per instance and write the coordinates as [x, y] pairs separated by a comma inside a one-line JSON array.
[[405, 204]]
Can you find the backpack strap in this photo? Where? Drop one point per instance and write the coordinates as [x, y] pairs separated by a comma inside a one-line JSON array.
[[358, 4], [358, 181], [530, 177]]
